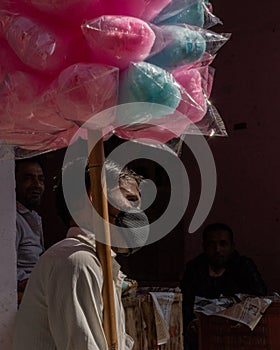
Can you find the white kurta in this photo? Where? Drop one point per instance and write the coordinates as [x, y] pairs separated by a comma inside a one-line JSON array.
[[29, 240], [62, 304]]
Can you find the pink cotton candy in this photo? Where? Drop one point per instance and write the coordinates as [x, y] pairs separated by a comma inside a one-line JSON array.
[[40, 47], [69, 11], [17, 93], [24, 106], [207, 78], [45, 117], [153, 8], [123, 7], [38, 140], [193, 103], [84, 89], [118, 40], [160, 130], [8, 59]]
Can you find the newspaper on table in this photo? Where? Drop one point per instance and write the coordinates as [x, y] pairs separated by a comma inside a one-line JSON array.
[[243, 308], [162, 303]]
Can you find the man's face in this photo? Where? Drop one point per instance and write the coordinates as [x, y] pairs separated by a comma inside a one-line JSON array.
[[29, 184], [126, 196], [218, 247]]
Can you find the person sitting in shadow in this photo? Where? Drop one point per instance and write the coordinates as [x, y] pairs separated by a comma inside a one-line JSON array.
[[219, 271]]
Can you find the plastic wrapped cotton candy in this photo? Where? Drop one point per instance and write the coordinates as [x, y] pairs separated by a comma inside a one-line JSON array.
[[39, 140], [193, 12], [17, 93], [153, 8], [144, 82], [84, 89], [155, 131], [67, 10], [123, 7], [182, 11], [118, 40], [191, 80], [9, 61], [182, 45], [39, 47]]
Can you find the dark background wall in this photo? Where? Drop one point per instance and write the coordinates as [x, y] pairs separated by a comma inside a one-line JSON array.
[[246, 93]]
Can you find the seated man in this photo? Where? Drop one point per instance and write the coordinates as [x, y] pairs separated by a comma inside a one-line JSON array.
[[62, 307], [218, 271], [29, 236]]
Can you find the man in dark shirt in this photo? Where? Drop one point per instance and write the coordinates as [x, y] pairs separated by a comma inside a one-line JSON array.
[[218, 271]]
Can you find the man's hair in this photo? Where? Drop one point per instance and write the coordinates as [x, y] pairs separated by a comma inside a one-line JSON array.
[[217, 227], [28, 160], [114, 174]]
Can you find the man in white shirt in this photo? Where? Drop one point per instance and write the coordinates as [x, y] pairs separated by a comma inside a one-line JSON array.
[[29, 235], [62, 308]]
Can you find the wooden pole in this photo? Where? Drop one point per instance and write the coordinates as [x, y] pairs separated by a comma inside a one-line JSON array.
[[101, 229]]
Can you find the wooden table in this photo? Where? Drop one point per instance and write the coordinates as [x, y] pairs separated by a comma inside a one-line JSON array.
[[140, 323]]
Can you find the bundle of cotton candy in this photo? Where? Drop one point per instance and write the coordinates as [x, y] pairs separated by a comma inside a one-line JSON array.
[[60, 62]]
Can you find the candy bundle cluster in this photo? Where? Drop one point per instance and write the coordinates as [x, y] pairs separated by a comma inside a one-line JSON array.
[[64, 61]]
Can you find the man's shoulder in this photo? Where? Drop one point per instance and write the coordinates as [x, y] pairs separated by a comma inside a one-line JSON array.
[[71, 250], [24, 212], [241, 261]]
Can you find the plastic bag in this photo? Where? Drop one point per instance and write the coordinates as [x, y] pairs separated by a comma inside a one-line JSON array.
[[192, 12], [185, 90], [179, 45], [44, 48], [153, 8], [118, 40], [84, 89]]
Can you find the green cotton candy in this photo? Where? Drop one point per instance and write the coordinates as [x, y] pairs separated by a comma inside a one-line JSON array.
[[144, 82], [193, 15], [186, 46]]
